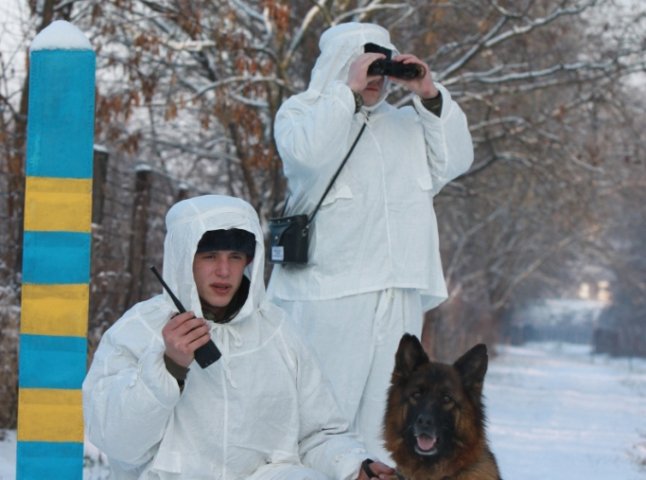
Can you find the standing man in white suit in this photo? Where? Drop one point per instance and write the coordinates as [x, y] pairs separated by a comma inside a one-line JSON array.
[[375, 264]]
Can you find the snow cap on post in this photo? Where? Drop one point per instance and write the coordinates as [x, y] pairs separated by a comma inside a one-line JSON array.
[[60, 35]]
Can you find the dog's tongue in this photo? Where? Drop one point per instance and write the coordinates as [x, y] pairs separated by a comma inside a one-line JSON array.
[[426, 443]]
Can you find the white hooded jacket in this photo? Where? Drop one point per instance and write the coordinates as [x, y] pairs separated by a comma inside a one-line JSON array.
[[376, 228], [264, 402]]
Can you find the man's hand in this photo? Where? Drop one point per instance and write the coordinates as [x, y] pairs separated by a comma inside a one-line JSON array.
[[380, 470], [358, 73], [183, 334], [423, 86]]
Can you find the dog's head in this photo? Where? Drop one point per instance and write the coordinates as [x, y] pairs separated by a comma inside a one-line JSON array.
[[434, 410]]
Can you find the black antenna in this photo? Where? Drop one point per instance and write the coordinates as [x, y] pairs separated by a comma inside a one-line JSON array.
[[175, 300], [207, 353]]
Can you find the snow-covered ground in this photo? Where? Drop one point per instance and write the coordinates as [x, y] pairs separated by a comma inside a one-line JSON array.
[[558, 413], [555, 413]]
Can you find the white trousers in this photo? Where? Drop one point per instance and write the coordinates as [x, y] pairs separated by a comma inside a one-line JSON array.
[[355, 339], [286, 472]]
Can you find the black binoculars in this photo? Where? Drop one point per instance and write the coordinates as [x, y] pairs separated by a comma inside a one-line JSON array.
[[390, 68]]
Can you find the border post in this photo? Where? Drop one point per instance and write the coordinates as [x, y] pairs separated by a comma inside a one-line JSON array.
[[56, 258]]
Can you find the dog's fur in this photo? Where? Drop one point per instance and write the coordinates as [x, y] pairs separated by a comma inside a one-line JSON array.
[[434, 424]]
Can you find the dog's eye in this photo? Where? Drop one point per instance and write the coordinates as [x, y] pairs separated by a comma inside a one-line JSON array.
[[447, 399], [417, 394]]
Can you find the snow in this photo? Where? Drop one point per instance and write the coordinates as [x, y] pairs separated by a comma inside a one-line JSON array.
[[60, 35], [555, 411]]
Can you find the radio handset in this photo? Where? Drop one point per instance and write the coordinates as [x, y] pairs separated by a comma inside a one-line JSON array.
[[207, 353]]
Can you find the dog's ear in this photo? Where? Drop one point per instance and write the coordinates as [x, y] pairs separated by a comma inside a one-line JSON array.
[[472, 367], [410, 355]]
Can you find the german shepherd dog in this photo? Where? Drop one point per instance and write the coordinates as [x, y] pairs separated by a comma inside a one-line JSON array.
[[434, 424]]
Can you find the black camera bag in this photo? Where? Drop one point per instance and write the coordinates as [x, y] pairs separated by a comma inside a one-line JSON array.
[[289, 237]]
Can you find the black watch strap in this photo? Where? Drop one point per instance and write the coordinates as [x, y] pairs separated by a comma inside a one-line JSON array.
[[365, 466]]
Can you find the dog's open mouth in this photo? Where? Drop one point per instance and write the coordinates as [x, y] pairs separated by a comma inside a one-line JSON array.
[[426, 445]]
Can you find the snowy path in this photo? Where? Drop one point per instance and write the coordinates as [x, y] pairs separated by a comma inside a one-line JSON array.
[[557, 413]]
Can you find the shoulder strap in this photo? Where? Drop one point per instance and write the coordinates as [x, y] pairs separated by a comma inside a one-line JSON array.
[[327, 190]]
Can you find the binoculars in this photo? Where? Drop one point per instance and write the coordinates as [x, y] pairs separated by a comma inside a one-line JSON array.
[[390, 68]]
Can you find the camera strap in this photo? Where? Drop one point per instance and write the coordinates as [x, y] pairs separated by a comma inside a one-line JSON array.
[[334, 177]]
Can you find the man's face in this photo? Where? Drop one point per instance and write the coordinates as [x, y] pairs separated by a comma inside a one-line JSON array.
[[372, 93], [218, 275]]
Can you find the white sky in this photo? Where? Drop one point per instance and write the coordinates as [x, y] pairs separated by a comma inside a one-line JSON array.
[[12, 43]]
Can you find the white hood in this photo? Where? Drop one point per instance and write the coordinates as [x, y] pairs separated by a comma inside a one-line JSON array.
[[340, 46], [186, 222]]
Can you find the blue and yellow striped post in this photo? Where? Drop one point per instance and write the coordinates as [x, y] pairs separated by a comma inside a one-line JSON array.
[[56, 254]]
